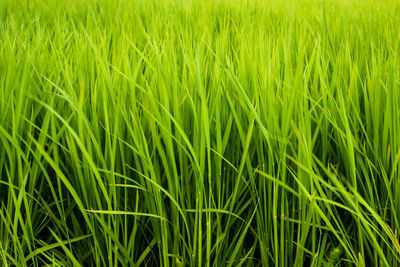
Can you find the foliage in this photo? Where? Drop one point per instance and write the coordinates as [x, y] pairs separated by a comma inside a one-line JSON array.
[[198, 133]]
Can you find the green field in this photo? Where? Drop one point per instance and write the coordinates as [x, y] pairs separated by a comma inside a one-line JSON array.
[[199, 133]]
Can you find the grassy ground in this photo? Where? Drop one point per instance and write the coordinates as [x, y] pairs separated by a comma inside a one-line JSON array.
[[202, 133]]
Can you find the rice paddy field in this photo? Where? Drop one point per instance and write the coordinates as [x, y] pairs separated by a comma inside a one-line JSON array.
[[199, 133]]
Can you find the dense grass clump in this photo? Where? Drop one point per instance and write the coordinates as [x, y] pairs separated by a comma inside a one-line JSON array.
[[200, 133]]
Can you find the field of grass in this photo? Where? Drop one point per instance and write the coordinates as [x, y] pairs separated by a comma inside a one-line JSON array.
[[199, 133]]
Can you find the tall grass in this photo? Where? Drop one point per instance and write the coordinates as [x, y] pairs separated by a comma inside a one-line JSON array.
[[201, 133]]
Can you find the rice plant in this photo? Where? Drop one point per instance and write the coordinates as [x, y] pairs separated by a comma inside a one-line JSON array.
[[199, 133]]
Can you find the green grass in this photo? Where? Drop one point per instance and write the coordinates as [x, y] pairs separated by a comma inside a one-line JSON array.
[[200, 133]]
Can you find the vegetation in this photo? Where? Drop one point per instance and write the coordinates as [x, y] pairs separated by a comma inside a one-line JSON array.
[[199, 133]]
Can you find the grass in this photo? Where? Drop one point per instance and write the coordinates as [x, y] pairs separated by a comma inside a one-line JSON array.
[[200, 133]]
